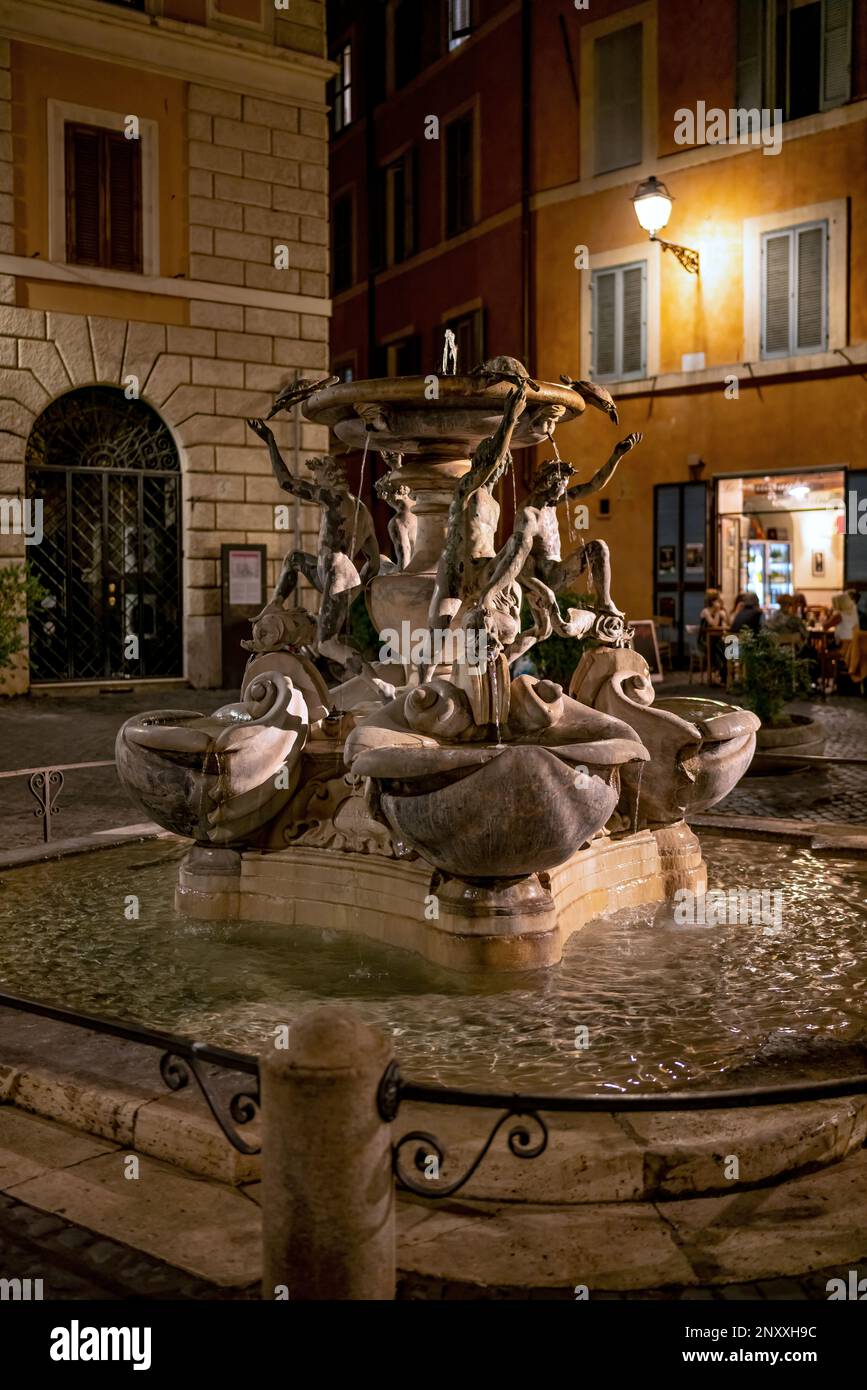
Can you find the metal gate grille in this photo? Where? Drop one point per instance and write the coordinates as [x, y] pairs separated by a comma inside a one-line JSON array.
[[108, 474]]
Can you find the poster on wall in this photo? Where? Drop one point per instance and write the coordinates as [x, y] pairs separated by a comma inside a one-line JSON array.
[[694, 559], [245, 578], [667, 559], [818, 564]]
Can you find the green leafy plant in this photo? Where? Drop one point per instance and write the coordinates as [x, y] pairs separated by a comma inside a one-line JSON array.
[[771, 676], [19, 590]]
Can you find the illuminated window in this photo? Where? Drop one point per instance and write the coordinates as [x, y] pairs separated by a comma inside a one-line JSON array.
[[341, 91], [460, 22]]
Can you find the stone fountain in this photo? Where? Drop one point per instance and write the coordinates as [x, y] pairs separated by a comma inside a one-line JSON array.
[[431, 799]]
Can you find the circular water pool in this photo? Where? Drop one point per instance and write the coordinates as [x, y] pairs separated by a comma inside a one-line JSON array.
[[662, 1005]]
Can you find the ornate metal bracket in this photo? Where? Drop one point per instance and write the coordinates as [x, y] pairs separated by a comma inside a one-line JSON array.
[[688, 258], [242, 1106], [520, 1142], [46, 787]]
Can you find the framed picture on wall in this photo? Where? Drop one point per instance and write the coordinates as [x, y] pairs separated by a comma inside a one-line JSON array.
[[818, 564]]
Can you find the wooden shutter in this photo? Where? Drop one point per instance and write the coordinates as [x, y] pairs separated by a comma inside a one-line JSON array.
[[83, 195], [776, 293], [123, 202], [604, 323], [618, 99], [103, 199], [459, 175], [632, 293], [810, 309], [749, 61], [836, 76]]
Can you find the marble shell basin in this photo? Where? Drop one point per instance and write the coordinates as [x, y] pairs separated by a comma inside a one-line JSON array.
[[728, 742], [215, 777], [399, 414], [495, 811]]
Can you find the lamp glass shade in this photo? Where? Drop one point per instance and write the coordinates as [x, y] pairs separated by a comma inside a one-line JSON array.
[[653, 210]]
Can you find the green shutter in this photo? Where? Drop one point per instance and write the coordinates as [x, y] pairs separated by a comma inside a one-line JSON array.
[[618, 100], [604, 323], [633, 320], [748, 85], [777, 290], [810, 313], [836, 53]]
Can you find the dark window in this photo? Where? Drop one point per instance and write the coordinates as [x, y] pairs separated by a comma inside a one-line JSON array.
[[342, 268], [408, 42], [341, 90], [344, 370], [129, 4], [103, 198], [469, 331], [794, 56], [460, 213], [395, 227], [401, 357]]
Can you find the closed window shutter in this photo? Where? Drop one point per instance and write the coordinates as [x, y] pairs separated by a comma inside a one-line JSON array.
[[123, 232], [604, 323], [811, 287], [410, 209], [777, 292], [633, 283], [618, 99], [83, 184], [836, 53], [749, 60]]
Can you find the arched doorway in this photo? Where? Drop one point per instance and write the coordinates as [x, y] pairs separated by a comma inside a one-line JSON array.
[[108, 474]]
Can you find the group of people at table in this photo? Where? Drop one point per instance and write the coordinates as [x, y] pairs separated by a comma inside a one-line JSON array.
[[838, 632]]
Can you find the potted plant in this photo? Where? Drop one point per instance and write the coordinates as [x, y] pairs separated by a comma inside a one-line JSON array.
[[772, 675], [19, 590]]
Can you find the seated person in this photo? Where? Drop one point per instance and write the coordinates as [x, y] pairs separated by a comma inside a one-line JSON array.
[[787, 619], [747, 613], [712, 617]]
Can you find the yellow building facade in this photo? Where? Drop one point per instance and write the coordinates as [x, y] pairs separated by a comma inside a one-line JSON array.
[[711, 378], [163, 271]]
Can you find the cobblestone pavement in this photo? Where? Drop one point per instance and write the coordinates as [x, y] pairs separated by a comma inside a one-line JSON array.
[[78, 1264], [837, 793], [40, 730]]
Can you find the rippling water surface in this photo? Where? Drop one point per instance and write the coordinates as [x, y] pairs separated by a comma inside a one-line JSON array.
[[664, 1005]]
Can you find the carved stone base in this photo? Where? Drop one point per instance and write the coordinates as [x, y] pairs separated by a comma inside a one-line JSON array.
[[518, 926]]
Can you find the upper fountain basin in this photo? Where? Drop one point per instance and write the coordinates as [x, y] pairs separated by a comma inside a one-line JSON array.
[[401, 414]]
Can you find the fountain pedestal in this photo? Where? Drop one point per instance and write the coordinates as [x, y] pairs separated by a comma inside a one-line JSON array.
[[389, 900]]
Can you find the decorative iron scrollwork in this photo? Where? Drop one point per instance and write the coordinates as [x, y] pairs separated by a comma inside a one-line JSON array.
[[520, 1142], [242, 1106], [46, 787]]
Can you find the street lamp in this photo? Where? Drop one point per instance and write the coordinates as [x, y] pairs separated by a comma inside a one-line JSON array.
[[652, 202]]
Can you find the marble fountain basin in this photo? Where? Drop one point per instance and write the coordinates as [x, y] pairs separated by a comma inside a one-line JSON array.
[[215, 777], [493, 811], [399, 414]]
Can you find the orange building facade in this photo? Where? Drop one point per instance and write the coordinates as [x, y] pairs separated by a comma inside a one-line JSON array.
[[751, 370]]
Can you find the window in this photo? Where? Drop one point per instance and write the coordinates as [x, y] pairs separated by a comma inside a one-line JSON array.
[[460, 209], [795, 290], [460, 22], [344, 370], [129, 4], [619, 322], [402, 357], [794, 55], [395, 237], [341, 91], [342, 257], [618, 101], [103, 198], [469, 331], [408, 42]]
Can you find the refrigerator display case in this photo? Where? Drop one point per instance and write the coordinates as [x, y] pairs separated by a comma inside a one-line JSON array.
[[767, 570]]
